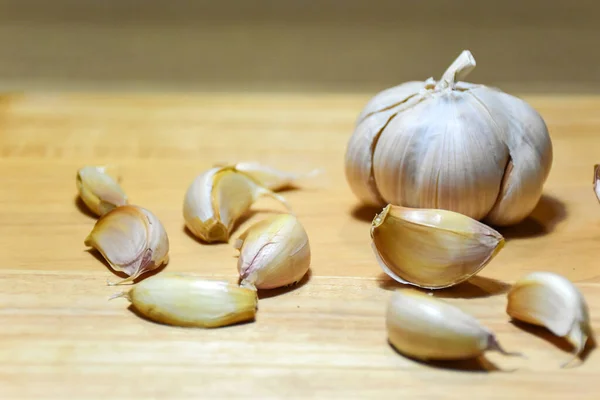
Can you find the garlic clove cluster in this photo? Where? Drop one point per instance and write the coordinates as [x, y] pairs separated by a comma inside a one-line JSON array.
[[217, 199], [432, 248], [274, 252], [188, 301], [98, 190], [131, 239], [425, 328], [597, 181], [552, 301], [451, 145]]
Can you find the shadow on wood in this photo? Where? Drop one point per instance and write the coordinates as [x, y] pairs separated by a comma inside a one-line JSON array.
[[546, 215], [366, 213], [267, 293], [476, 287]]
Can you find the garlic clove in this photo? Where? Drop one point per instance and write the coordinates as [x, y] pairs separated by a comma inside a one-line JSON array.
[[552, 301], [597, 181], [98, 190], [187, 301], [426, 328], [432, 248], [274, 252], [269, 177], [217, 199], [131, 239]]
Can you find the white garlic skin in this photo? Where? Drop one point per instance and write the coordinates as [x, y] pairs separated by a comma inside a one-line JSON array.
[[451, 145]]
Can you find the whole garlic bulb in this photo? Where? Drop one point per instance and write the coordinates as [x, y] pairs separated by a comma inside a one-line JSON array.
[[451, 145]]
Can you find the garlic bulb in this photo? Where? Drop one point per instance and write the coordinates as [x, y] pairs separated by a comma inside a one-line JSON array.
[[131, 239], [217, 198], [451, 145], [273, 253], [552, 301], [425, 328], [430, 248], [98, 190], [597, 181]]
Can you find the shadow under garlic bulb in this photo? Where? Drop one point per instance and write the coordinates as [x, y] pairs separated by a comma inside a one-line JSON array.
[[450, 145]]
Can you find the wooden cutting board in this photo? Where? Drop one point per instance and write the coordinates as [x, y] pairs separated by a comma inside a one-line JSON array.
[[61, 338]]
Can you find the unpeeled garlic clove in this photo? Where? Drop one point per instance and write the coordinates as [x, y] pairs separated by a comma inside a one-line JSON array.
[[217, 199], [426, 328], [432, 248], [131, 239], [98, 190], [188, 301], [597, 181], [269, 177], [274, 252], [552, 301]]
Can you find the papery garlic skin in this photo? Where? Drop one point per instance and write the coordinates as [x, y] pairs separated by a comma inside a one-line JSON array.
[[269, 177], [274, 252], [188, 301], [217, 198], [425, 328], [552, 301], [98, 190], [451, 145], [432, 248], [131, 239]]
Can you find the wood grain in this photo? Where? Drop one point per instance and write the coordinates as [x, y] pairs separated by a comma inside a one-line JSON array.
[[60, 337]]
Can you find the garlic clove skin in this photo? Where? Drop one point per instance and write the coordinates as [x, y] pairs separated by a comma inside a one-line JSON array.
[[597, 181], [187, 301], [269, 177], [217, 199], [131, 239], [431, 248], [98, 190], [552, 301], [425, 328], [274, 252]]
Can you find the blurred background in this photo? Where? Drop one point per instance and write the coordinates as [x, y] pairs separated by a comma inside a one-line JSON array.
[[530, 46]]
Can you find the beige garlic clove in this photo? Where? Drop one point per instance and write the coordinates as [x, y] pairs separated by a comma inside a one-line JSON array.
[[451, 145], [274, 252], [131, 239], [432, 248], [98, 190], [552, 301], [217, 199], [188, 301], [426, 328], [269, 177], [597, 181]]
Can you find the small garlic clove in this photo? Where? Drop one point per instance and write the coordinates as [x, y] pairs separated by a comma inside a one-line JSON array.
[[131, 239], [269, 177], [274, 252], [426, 328], [187, 301], [217, 199], [432, 248], [552, 301], [98, 190], [597, 181]]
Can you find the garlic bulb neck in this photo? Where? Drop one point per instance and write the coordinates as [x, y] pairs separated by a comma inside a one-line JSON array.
[[457, 71]]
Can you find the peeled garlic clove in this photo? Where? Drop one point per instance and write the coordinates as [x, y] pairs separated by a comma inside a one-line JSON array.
[[274, 252], [100, 192], [269, 177], [552, 301], [425, 328], [217, 199], [192, 302], [131, 239], [597, 181], [432, 248]]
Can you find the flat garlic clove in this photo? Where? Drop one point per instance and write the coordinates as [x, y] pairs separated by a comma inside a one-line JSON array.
[[426, 328], [552, 301], [432, 248], [269, 177], [217, 199], [274, 252], [131, 239], [98, 190], [597, 181], [187, 301]]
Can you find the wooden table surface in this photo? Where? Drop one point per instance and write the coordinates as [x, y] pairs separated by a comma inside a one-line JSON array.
[[61, 338]]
